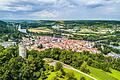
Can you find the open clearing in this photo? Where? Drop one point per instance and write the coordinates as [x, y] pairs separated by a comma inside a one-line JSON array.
[[102, 75], [40, 30]]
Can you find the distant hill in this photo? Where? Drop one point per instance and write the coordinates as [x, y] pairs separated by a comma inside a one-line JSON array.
[[66, 23], [3, 27], [3, 24]]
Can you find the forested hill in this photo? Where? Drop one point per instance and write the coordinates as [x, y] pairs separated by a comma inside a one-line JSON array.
[[6, 28], [3, 26], [70, 23], [9, 32]]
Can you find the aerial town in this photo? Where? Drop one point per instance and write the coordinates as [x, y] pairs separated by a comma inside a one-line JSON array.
[[47, 42], [59, 40], [59, 50]]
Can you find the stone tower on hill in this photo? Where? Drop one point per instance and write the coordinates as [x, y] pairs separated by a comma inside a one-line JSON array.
[[22, 50]]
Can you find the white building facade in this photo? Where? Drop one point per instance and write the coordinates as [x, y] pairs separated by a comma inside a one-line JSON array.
[[22, 50]]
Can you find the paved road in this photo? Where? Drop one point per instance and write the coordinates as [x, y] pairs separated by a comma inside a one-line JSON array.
[[53, 63]]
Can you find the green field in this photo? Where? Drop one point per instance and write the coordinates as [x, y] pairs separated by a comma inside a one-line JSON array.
[[102, 75], [96, 73], [115, 74], [77, 75]]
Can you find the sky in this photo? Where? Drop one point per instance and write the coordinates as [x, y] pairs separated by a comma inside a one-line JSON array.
[[60, 9]]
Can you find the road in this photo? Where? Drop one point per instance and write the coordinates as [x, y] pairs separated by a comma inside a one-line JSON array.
[[53, 63]]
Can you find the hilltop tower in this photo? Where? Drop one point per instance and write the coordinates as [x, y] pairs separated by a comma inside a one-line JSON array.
[[22, 50]]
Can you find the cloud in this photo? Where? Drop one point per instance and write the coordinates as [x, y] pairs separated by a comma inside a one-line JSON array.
[[94, 5], [44, 14], [7, 5], [15, 8], [60, 9]]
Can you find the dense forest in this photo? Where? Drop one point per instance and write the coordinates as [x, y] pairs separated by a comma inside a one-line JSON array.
[[14, 67], [75, 59]]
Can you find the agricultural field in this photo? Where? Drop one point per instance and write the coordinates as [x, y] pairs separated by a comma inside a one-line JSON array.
[[40, 30]]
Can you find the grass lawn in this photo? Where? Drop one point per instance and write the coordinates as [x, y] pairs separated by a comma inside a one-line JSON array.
[[115, 74], [102, 75], [77, 75]]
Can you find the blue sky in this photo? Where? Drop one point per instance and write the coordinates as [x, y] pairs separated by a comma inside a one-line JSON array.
[[60, 9]]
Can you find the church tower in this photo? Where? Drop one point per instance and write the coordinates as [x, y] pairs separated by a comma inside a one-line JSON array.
[[22, 50]]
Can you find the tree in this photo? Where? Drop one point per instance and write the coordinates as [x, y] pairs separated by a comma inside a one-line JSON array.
[[1, 48], [51, 68], [89, 62], [84, 68], [55, 52], [70, 76], [59, 74], [82, 78], [43, 76], [55, 78], [58, 66], [5, 38], [40, 46]]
